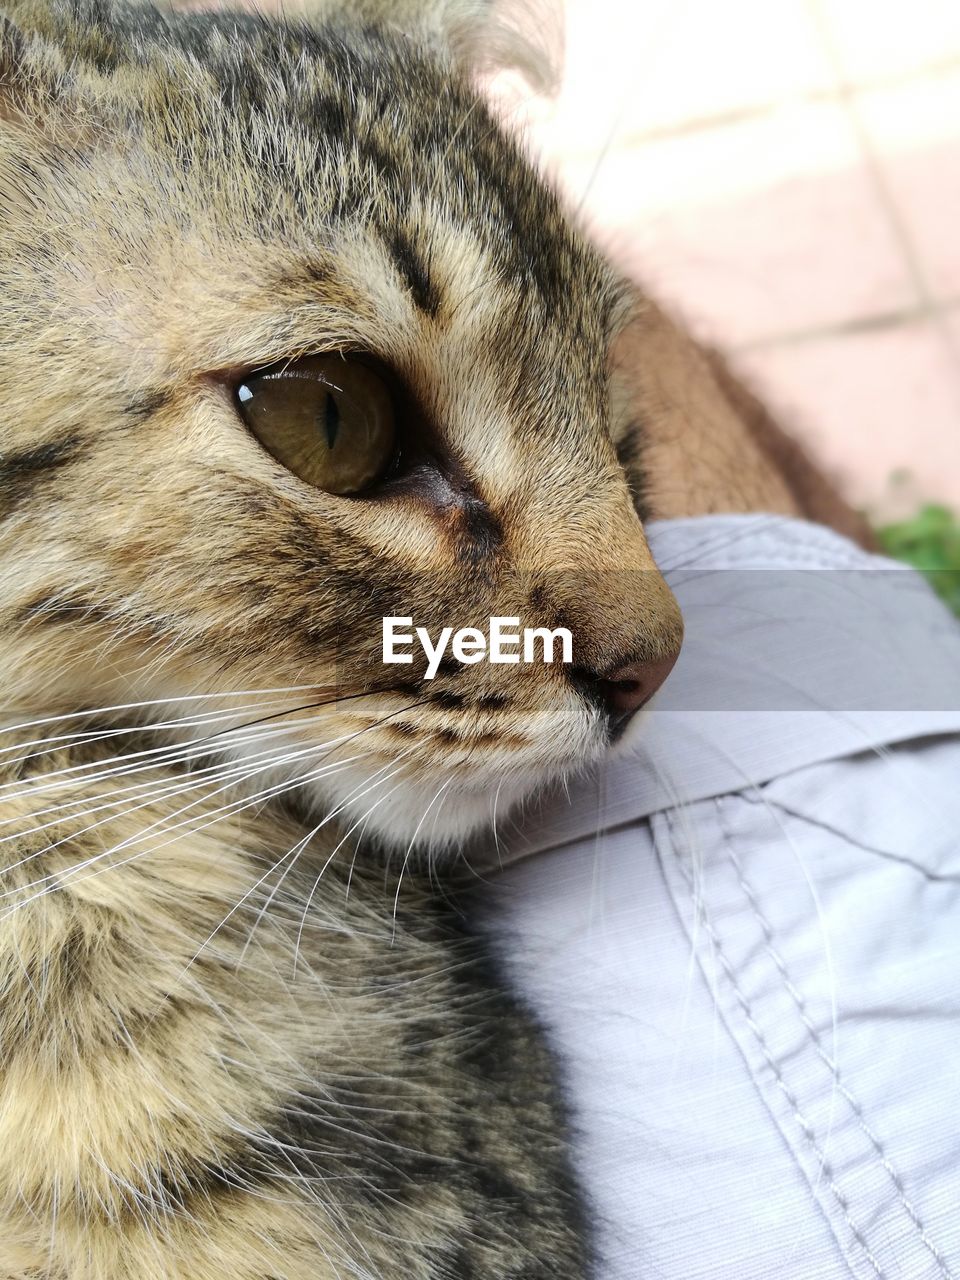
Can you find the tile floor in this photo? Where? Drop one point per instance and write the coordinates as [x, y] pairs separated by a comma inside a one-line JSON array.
[[787, 173]]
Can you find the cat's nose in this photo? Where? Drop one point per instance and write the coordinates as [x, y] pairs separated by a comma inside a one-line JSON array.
[[630, 687]]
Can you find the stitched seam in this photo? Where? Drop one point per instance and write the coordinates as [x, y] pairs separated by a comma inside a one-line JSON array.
[[825, 1057], [806, 1129]]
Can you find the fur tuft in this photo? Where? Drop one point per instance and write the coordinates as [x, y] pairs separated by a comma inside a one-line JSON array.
[[11, 51], [482, 36]]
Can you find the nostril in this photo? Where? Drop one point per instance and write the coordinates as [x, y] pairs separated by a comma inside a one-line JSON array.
[[621, 694], [630, 687]]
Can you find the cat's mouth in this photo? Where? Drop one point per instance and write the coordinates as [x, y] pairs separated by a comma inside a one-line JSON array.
[[426, 773], [423, 763]]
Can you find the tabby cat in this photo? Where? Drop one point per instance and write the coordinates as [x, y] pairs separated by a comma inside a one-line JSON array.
[[294, 338]]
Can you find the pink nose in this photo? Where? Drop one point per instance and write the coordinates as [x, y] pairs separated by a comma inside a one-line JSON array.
[[631, 687]]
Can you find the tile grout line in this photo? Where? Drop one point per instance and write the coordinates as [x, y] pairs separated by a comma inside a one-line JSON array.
[[613, 141], [929, 306], [868, 322], [762, 110]]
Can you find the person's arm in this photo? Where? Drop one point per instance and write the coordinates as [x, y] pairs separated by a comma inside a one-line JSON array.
[[705, 443]]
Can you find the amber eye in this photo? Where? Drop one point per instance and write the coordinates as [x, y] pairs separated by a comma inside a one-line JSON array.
[[329, 419]]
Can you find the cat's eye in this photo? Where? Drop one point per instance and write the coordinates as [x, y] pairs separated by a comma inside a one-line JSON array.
[[328, 418]]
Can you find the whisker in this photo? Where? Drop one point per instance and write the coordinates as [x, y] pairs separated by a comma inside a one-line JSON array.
[[237, 806], [120, 767], [165, 753], [301, 845], [360, 822], [240, 772], [159, 789], [406, 856], [496, 833], [88, 737], [84, 736], [368, 783], [149, 702], [175, 755]]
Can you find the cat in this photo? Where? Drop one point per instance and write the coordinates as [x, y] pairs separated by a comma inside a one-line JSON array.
[[293, 338]]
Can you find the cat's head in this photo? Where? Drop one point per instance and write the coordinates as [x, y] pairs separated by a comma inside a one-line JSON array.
[[293, 338]]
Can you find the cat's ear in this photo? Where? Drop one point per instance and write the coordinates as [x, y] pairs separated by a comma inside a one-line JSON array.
[[482, 36]]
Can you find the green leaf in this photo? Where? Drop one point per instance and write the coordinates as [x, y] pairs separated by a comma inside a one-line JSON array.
[[930, 541]]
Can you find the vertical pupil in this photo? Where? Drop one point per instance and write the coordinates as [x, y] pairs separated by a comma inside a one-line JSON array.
[[331, 419]]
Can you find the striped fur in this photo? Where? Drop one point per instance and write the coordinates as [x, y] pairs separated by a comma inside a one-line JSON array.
[[339, 1089], [242, 1036]]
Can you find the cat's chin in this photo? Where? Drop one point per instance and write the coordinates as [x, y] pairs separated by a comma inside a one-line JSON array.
[[428, 818], [417, 807]]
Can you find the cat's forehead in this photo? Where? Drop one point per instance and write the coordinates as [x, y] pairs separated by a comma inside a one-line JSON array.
[[332, 185], [337, 127], [341, 121]]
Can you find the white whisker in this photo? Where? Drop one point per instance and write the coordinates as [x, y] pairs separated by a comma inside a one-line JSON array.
[[413, 840], [237, 806], [238, 774], [153, 702], [298, 848], [86, 736], [177, 755], [360, 822]]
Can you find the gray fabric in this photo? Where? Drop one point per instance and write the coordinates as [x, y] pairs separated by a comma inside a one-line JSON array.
[[751, 967]]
